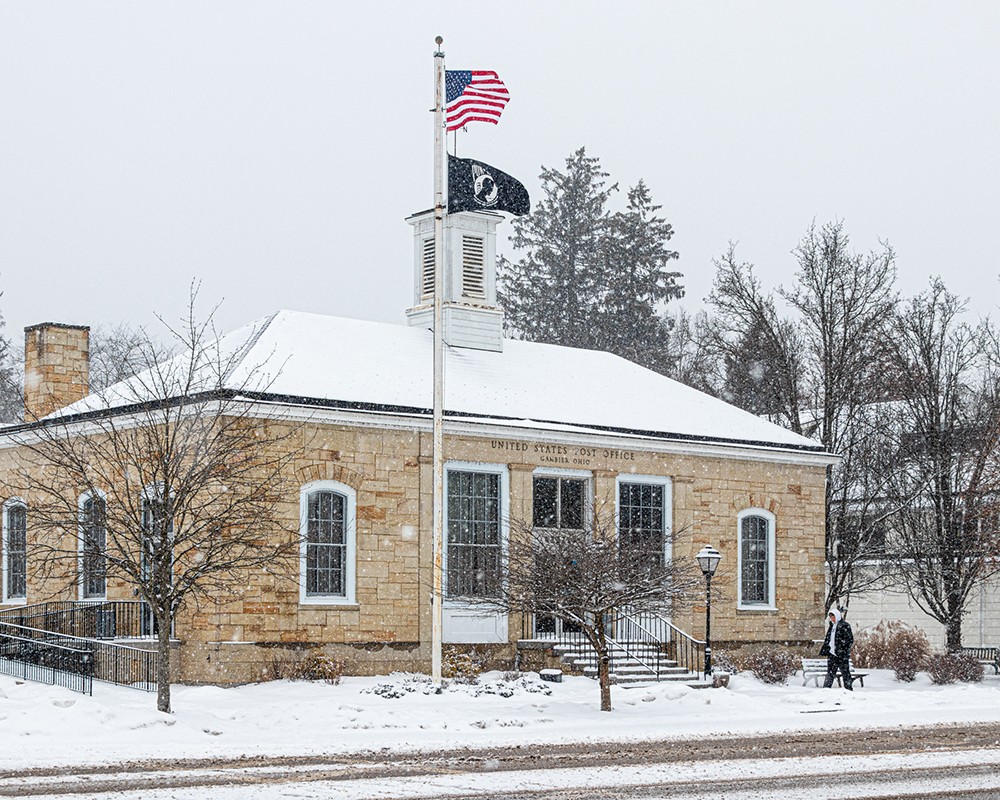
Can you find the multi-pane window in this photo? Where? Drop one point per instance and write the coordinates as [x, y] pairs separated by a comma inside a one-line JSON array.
[[157, 534], [558, 502], [326, 543], [475, 546], [642, 519], [16, 551], [755, 560], [93, 543]]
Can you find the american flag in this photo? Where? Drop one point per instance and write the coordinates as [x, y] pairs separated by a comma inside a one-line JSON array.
[[476, 95]]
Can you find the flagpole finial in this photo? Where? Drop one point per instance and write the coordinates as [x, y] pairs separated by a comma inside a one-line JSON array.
[[438, 41]]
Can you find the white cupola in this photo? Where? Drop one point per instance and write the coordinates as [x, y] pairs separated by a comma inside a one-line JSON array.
[[470, 313]]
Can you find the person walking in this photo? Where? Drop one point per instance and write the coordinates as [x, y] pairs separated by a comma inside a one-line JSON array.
[[837, 649]]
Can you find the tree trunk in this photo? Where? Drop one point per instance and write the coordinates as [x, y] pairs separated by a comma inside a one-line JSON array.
[[163, 664], [953, 633], [603, 673], [600, 642]]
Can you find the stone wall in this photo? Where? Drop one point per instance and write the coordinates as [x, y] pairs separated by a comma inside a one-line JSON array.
[[56, 367], [261, 627]]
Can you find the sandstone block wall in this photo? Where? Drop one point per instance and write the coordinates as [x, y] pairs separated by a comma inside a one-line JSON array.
[[260, 628], [56, 367]]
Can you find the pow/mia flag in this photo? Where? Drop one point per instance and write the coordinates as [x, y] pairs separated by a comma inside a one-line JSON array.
[[475, 186]]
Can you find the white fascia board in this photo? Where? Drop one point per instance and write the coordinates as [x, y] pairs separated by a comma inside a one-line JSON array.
[[529, 431], [473, 427], [102, 424]]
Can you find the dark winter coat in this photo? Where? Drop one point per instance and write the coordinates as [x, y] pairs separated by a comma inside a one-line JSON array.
[[845, 639]]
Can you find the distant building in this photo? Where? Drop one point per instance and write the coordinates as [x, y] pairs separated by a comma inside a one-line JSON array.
[[532, 431]]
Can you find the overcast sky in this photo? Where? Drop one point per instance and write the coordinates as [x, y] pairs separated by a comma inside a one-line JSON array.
[[273, 149]]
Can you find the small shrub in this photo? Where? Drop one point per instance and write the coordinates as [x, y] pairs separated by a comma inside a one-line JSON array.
[[724, 662], [950, 667], [768, 662], [908, 652], [320, 667], [460, 666], [892, 645]]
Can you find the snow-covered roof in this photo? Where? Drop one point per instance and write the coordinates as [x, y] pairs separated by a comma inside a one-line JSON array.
[[315, 359]]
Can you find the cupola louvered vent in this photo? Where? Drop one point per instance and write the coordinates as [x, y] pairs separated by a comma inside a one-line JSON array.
[[427, 270], [473, 267]]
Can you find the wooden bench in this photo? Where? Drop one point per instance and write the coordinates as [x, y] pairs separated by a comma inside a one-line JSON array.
[[814, 669], [988, 656]]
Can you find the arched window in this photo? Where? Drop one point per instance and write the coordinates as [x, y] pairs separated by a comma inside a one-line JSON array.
[[157, 530], [756, 559], [327, 529], [15, 551], [93, 546]]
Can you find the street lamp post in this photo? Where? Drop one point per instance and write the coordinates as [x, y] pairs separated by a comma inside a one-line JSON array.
[[708, 559]]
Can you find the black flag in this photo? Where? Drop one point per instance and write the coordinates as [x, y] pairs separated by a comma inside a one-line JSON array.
[[475, 186]]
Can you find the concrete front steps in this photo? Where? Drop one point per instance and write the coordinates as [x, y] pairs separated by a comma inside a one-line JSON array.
[[648, 666]]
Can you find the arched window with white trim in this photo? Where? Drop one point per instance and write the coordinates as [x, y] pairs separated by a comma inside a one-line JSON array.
[[157, 530], [15, 551], [756, 559], [93, 542], [327, 518]]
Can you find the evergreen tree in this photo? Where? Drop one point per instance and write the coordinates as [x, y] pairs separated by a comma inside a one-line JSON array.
[[10, 383], [627, 320], [590, 278]]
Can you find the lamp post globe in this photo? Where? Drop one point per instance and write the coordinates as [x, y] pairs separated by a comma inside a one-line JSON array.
[[708, 559]]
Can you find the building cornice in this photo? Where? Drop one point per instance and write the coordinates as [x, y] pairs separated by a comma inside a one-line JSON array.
[[415, 419]]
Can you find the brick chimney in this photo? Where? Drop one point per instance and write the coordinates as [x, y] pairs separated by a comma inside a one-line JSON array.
[[56, 367]]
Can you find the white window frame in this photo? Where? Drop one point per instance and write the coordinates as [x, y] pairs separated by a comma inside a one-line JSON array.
[[475, 466], [349, 597], [13, 502], [771, 605], [668, 507], [579, 474], [98, 493]]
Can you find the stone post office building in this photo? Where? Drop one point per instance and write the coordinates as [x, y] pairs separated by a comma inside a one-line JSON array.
[[532, 431]]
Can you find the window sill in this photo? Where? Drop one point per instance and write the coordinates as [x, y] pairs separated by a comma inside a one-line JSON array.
[[15, 601], [330, 605], [757, 608]]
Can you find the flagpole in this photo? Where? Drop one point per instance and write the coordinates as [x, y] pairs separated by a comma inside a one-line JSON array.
[[437, 578]]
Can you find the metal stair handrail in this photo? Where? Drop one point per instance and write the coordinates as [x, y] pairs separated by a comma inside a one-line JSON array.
[[631, 636], [679, 645], [89, 619], [120, 664]]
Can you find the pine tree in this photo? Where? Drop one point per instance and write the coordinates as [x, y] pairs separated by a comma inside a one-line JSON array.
[[591, 278], [551, 293], [628, 321]]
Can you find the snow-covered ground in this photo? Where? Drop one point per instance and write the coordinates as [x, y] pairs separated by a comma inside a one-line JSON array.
[[43, 725]]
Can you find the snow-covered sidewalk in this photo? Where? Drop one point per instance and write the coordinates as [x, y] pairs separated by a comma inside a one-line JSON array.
[[48, 726]]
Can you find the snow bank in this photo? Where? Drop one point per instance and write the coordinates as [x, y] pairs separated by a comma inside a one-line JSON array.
[[43, 725]]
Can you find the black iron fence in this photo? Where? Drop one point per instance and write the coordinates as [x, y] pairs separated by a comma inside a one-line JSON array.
[[112, 662], [111, 619], [46, 662]]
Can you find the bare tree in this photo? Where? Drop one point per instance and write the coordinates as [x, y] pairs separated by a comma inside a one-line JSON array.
[[949, 487], [120, 351], [170, 482], [587, 578], [763, 352], [10, 384], [691, 356], [822, 370]]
